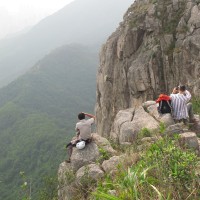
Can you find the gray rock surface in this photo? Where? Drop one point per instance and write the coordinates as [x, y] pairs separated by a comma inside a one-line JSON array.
[[103, 143], [66, 177], [84, 156], [190, 140], [91, 172], [166, 119], [156, 47], [175, 129], [82, 168], [146, 104], [112, 164], [153, 111], [128, 123]]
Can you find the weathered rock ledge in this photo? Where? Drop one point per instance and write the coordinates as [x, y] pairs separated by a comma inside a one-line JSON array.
[[90, 164], [156, 47]]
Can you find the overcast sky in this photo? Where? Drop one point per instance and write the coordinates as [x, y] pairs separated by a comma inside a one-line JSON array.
[[16, 15]]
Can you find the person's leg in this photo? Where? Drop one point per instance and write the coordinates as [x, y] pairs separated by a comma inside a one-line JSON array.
[[68, 145], [190, 112], [70, 148]]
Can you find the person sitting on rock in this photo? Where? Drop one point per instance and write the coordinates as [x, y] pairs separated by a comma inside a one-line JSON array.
[[83, 132], [179, 98], [189, 108]]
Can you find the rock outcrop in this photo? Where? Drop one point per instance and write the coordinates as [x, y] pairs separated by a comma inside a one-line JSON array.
[[128, 123], [84, 167], [98, 158], [80, 158], [155, 48]]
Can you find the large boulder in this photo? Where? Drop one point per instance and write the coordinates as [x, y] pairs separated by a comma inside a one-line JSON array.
[[153, 111], [175, 129], [189, 139], [89, 172], [104, 144], [128, 123], [166, 119], [143, 120], [82, 168], [111, 165], [123, 116], [84, 156], [146, 104], [152, 108]]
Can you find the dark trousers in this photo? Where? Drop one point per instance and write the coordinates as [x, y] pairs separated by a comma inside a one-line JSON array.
[[70, 146]]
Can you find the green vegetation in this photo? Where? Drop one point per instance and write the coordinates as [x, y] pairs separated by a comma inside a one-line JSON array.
[[38, 113], [169, 24], [165, 171], [145, 132], [139, 13], [104, 155], [196, 105], [162, 128], [47, 191]]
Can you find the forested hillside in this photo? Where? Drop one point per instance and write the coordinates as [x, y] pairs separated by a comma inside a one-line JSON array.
[[38, 112]]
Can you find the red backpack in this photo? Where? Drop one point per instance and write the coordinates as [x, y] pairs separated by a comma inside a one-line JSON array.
[[164, 102]]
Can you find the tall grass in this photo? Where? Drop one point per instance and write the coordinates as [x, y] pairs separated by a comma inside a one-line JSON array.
[[165, 171]]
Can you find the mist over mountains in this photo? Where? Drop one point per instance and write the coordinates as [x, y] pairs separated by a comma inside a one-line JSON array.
[[83, 21], [38, 110], [37, 116]]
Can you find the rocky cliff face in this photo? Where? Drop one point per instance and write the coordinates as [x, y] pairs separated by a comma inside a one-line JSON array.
[[155, 48]]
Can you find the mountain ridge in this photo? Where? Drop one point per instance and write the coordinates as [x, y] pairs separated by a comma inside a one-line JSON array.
[[85, 22]]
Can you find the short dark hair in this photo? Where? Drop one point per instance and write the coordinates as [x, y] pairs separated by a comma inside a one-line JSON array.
[[81, 116], [182, 88]]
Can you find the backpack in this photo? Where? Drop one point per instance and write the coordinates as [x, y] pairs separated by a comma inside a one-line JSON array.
[[164, 104]]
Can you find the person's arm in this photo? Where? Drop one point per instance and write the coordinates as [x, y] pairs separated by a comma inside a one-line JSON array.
[[77, 131], [89, 115], [187, 95]]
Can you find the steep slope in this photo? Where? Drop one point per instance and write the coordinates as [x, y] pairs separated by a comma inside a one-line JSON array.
[[37, 116], [82, 21], [155, 49]]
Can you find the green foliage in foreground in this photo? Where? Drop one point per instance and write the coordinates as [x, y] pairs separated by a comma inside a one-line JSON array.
[[165, 171], [196, 105]]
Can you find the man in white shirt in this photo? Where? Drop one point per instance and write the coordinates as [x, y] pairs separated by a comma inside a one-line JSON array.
[[179, 103], [83, 127], [83, 131]]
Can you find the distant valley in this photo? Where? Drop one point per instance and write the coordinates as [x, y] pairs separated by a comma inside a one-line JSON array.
[[38, 112]]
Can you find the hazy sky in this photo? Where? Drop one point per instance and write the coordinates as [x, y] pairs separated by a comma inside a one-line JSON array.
[[16, 15]]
